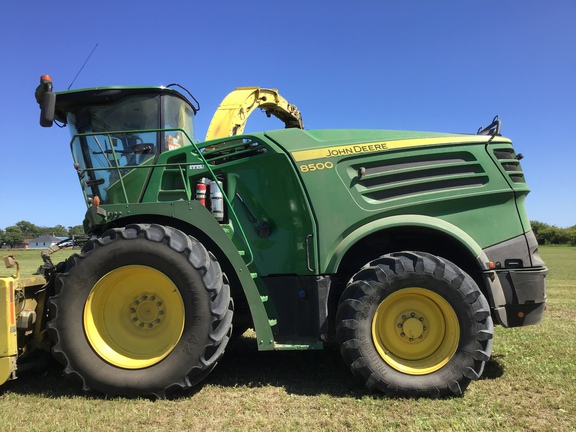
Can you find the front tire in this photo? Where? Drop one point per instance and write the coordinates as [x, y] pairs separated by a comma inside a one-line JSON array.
[[143, 310], [413, 324]]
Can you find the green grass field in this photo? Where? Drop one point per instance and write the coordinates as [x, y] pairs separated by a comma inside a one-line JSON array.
[[528, 385], [30, 260]]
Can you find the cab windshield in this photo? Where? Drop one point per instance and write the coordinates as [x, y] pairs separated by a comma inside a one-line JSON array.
[[111, 139]]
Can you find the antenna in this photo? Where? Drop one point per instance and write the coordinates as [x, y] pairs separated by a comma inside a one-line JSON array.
[[86, 61]]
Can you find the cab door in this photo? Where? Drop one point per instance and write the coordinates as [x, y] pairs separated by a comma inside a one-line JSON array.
[[270, 204]]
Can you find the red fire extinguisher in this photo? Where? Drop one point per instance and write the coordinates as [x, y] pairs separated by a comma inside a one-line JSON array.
[[201, 192]]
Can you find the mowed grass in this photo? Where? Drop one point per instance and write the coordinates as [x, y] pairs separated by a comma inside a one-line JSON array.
[[29, 260], [528, 385]]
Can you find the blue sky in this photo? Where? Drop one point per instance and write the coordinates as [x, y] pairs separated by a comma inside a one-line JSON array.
[[446, 66]]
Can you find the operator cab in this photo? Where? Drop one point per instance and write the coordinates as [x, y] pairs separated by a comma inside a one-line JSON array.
[[118, 133]]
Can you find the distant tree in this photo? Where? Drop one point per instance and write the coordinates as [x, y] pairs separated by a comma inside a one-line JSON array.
[[536, 225], [45, 230], [59, 231], [29, 230], [56, 231], [571, 235], [551, 234], [13, 236], [74, 231], [538, 228]]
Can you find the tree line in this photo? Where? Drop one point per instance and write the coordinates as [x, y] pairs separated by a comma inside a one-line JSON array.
[[551, 234], [14, 236]]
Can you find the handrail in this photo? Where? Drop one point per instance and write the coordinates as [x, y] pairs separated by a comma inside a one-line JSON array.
[[228, 202], [181, 167]]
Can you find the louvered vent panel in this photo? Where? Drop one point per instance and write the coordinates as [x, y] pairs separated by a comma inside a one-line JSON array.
[[511, 165], [419, 175]]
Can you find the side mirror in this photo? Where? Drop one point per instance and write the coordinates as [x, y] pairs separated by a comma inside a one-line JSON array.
[[47, 107], [47, 101]]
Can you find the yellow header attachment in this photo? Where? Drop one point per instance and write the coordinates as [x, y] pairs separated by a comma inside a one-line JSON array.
[[16, 313], [232, 114]]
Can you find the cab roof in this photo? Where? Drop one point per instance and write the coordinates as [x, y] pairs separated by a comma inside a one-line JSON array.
[[66, 100]]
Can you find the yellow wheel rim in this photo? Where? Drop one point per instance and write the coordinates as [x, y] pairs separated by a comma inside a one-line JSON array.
[[415, 331], [134, 317]]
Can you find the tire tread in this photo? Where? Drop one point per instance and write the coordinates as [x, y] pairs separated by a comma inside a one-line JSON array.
[[352, 310], [221, 306]]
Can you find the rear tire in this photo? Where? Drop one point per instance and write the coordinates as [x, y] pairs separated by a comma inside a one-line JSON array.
[[413, 324], [142, 311]]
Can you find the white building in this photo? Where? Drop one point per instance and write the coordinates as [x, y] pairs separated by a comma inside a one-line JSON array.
[[43, 242]]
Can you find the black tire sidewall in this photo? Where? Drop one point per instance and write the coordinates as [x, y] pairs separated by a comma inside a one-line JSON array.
[[85, 274], [389, 379]]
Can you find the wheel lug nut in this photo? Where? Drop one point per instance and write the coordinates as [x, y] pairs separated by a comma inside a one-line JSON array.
[[412, 314], [399, 325], [420, 337], [143, 298], [152, 298], [159, 303], [136, 302], [132, 310], [402, 334], [141, 325], [411, 339], [424, 328], [403, 317], [421, 318], [150, 325], [160, 312]]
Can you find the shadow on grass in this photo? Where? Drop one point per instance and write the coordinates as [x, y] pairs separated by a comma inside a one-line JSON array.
[[309, 373], [46, 380], [300, 372], [493, 368]]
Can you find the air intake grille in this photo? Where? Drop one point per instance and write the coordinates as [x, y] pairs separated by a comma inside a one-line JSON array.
[[231, 150], [511, 165], [422, 174]]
